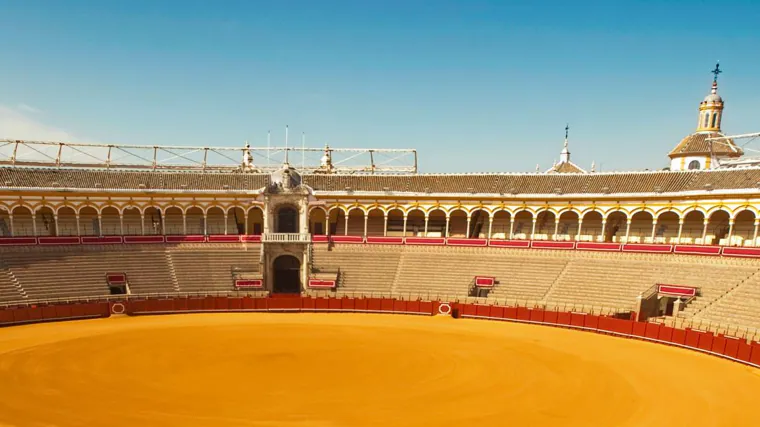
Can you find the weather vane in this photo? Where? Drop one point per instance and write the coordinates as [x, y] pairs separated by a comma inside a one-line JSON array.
[[716, 71], [567, 130]]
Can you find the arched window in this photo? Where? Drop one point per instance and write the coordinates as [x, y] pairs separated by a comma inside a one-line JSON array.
[[714, 119], [707, 120], [694, 164]]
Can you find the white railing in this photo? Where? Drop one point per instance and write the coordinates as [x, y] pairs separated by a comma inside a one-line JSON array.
[[286, 238]]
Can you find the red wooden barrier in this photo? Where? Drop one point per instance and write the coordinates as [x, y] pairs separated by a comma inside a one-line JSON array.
[[591, 322], [468, 309], [413, 306], [640, 329], [321, 304], [20, 314], [719, 344], [428, 307], [221, 303], [652, 331], [181, 304], [196, 304], [6, 316], [248, 303], [48, 312], [334, 304], [547, 244], [563, 318], [679, 336], [755, 356], [386, 304], [348, 304], [706, 341], [510, 312], [308, 303], [577, 319], [209, 303], [666, 333], [509, 243], [361, 304], [523, 313], [466, 242], [385, 240], [35, 313], [745, 351], [496, 312], [77, 310], [260, 304], [732, 347], [483, 310], [550, 317], [536, 315], [399, 306], [374, 304], [692, 338]]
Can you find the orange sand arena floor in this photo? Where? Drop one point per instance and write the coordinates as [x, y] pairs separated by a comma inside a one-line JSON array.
[[357, 370]]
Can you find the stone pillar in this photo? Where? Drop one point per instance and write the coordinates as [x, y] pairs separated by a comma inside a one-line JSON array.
[[556, 228], [426, 224], [677, 304], [580, 227], [245, 225], [628, 229], [205, 224], [184, 223], [604, 231], [142, 224], [366, 220], [467, 229], [639, 300], [345, 229], [34, 224], [385, 224], [100, 225], [704, 231], [533, 229], [680, 230], [654, 228], [490, 226], [55, 221], [730, 230], [226, 220], [10, 218], [754, 236], [446, 234], [78, 232], [121, 222]]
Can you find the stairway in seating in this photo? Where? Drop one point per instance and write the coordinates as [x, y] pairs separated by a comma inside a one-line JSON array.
[[754, 277], [399, 267], [554, 283], [10, 288], [172, 271]]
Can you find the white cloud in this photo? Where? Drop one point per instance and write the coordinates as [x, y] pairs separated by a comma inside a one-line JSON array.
[[28, 108], [16, 123]]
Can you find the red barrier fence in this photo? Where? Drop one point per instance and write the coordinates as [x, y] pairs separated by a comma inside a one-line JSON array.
[[739, 350]]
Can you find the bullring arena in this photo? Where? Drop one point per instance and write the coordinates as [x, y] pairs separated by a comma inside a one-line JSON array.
[[145, 285]]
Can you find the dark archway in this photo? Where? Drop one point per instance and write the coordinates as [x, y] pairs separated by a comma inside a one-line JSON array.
[[287, 220], [287, 275]]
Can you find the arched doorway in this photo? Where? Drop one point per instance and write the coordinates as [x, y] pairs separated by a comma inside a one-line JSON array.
[[287, 275], [287, 220]]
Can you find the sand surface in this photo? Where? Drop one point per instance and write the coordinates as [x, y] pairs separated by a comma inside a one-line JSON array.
[[353, 370]]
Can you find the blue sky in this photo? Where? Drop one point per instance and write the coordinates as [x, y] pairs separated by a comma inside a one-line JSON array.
[[473, 85]]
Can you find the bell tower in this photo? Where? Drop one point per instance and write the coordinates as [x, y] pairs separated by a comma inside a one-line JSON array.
[[711, 108]]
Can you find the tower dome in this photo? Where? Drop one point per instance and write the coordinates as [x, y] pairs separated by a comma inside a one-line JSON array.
[[700, 150]]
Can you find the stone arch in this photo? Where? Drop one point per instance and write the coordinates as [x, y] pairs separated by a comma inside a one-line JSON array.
[[153, 219], [591, 227], [501, 224], [255, 223], [395, 222], [693, 227], [216, 220], [415, 222], [545, 224], [132, 221], [89, 223], [523, 224], [235, 220], [457, 223], [195, 221], [479, 219], [375, 222], [567, 228], [744, 227], [641, 227], [718, 227], [318, 221], [355, 222], [666, 230], [615, 226], [23, 223], [287, 274], [45, 221], [174, 223], [5, 222], [436, 223], [337, 218], [67, 222], [110, 221]]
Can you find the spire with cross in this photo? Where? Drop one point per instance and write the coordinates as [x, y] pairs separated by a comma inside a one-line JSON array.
[[716, 71]]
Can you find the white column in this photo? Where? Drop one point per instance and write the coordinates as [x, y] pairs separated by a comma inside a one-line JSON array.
[[184, 223], [404, 232], [654, 227], [226, 220], [345, 230], [245, 225], [628, 229], [730, 230], [754, 236], [533, 230], [385, 224], [55, 221], [426, 224], [467, 230], [446, 234], [680, 230], [366, 219], [10, 218], [580, 227], [512, 223], [556, 228], [604, 230], [490, 226], [100, 225], [34, 224], [205, 224], [704, 231], [78, 232], [121, 222]]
